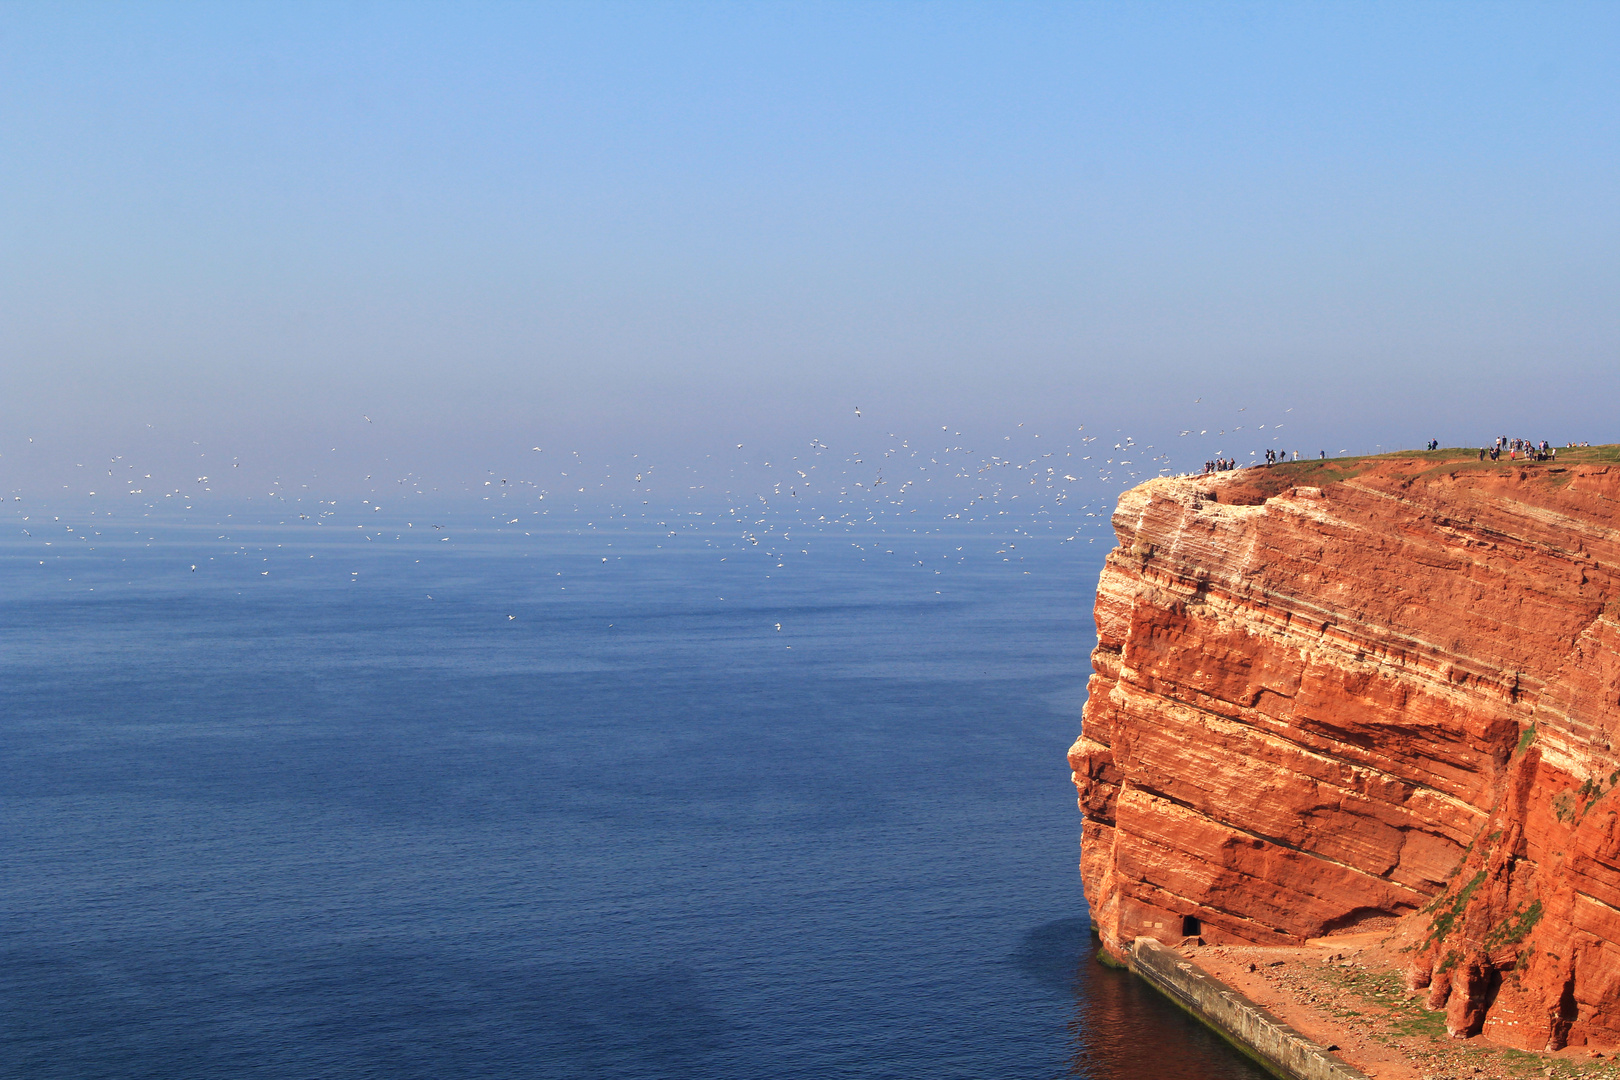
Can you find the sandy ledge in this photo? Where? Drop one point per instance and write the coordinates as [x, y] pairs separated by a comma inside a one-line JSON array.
[[1347, 993]]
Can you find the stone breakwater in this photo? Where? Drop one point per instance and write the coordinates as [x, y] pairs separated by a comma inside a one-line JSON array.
[[1373, 694], [1257, 1032]]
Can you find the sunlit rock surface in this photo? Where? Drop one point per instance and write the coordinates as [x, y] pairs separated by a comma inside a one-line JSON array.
[[1367, 694]]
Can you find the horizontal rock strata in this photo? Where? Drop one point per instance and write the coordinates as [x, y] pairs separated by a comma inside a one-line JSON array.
[[1337, 695]]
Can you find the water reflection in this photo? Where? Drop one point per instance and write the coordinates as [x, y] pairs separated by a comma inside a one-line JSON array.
[[1120, 1028]]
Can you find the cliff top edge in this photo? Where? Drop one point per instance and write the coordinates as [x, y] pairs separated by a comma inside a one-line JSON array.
[[1251, 485]]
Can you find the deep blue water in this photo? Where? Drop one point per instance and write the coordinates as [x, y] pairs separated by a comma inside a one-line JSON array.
[[538, 806]]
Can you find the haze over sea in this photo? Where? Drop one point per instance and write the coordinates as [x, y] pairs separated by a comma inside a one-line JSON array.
[[559, 540], [562, 803]]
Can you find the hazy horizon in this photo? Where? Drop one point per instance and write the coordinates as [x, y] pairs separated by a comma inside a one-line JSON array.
[[324, 247]]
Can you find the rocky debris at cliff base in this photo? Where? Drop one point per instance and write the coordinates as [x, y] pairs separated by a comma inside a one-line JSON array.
[[1349, 994]]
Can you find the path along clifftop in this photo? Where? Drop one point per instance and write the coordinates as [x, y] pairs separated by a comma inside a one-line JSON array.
[[1372, 694]]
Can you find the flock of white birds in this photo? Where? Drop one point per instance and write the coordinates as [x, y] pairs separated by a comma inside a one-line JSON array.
[[1019, 484]]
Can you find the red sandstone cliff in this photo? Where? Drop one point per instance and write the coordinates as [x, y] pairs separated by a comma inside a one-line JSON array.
[[1341, 694]]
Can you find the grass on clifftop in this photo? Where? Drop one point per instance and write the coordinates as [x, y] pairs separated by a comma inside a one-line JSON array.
[[1256, 484]]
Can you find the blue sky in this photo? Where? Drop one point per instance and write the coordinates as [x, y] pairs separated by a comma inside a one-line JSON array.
[[667, 229]]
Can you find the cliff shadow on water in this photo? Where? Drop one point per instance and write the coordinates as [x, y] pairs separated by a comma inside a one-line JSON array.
[[1120, 1027]]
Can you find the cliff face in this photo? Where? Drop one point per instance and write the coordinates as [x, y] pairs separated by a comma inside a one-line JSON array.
[[1363, 695]]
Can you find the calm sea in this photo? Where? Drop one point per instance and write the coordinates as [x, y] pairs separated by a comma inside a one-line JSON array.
[[586, 803]]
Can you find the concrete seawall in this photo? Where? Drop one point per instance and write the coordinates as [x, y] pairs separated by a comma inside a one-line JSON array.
[[1256, 1032]]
